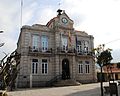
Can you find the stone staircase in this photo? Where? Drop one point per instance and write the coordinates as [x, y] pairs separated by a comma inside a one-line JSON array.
[[67, 82]]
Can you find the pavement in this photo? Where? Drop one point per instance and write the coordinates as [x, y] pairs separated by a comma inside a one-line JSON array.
[[81, 90]]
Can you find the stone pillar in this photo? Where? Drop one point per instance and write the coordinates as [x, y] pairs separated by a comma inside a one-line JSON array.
[[57, 65], [16, 83], [30, 80], [73, 67]]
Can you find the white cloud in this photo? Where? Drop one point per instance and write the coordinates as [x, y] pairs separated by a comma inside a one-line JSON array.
[[45, 15], [100, 18], [28, 13]]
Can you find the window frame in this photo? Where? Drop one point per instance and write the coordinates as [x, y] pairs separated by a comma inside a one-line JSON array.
[[44, 70], [44, 43], [35, 42], [34, 67], [87, 67], [64, 43], [79, 46], [80, 67], [86, 46]]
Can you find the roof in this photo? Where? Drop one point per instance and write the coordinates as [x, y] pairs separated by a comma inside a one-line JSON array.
[[51, 21], [113, 68]]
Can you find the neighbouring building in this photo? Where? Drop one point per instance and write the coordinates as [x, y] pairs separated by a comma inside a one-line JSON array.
[[111, 71], [55, 50]]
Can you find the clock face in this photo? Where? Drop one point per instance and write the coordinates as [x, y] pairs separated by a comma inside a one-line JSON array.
[[64, 20]]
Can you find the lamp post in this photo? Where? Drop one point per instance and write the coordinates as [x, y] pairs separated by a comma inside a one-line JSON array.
[[1, 44], [99, 50], [1, 31]]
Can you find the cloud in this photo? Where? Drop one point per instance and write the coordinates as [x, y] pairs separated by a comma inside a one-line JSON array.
[[45, 15], [116, 55], [28, 13], [99, 18]]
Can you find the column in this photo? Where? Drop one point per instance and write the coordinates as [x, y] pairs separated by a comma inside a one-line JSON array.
[[30, 80]]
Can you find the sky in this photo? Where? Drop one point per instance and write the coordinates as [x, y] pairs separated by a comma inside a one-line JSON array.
[[100, 18]]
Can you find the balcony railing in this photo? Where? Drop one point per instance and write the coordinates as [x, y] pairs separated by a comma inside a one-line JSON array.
[[60, 50], [40, 50], [90, 53], [67, 50]]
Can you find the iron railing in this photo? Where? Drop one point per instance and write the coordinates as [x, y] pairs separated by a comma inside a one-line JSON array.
[[53, 80], [60, 50], [46, 50]]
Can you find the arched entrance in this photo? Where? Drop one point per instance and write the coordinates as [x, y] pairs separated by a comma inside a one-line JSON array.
[[65, 69]]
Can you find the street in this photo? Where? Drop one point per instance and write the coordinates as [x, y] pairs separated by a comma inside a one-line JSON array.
[[81, 90]]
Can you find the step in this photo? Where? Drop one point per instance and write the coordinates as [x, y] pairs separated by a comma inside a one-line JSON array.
[[68, 82]]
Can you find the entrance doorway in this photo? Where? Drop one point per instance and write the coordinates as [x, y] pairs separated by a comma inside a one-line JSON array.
[[65, 69]]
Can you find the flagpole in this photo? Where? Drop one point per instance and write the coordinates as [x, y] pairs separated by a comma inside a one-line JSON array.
[[21, 13]]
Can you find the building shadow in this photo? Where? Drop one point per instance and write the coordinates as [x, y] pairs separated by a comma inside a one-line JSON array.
[[91, 92]]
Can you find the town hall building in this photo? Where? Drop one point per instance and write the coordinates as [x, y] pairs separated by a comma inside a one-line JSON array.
[[54, 52]]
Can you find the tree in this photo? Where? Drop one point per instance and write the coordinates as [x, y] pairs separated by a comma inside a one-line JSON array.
[[103, 58], [9, 69]]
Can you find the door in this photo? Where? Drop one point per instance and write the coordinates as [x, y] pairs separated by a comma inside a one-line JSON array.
[[65, 69]]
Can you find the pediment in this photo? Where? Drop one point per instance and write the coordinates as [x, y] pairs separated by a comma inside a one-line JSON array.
[[65, 21]]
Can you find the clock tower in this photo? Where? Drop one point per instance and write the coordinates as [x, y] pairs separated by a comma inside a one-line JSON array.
[[64, 20]]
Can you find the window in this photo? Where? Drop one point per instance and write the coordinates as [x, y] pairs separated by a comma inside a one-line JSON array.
[[80, 67], [34, 66], [44, 66], [87, 67], [44, 43], [35, 42], [64, 44], [79, 46], [86, 46]]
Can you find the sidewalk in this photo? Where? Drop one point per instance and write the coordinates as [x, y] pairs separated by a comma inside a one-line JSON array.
[[82, 90]]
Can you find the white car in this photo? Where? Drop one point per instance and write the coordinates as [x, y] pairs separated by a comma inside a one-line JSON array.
[[118, 82]]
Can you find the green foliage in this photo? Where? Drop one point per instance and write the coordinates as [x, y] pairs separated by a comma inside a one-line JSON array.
[[104, 58], [9, 69]]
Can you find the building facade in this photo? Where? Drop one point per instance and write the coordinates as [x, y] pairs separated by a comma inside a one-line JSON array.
[[55, 50], [111, 72]]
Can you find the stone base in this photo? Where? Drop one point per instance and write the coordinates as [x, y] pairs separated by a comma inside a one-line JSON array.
[[68, 82]]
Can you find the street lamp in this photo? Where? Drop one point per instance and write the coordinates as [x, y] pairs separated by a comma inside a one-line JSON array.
[[1, 31], [99, 50], [1, 44]]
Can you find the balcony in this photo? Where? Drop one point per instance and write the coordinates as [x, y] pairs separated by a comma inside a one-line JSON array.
[[33, 50], [65, 51], [83, 53], [59, 50]]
